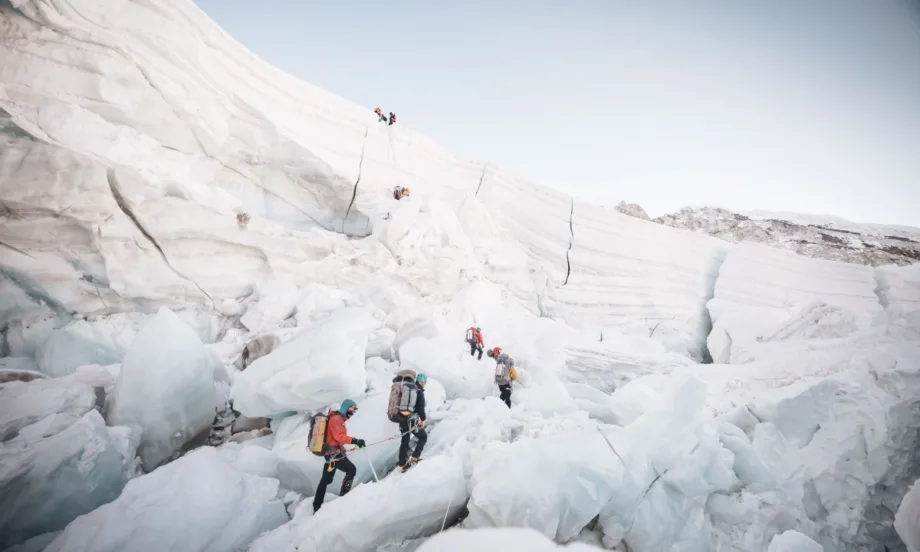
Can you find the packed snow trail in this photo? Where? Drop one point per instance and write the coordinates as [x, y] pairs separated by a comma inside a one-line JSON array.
[[616, 436]]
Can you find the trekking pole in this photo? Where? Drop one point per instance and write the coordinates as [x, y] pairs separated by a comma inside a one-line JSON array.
[[371, 464], [443, 523]]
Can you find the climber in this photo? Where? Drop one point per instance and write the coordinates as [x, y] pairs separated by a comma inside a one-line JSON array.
[[392, 118], [406, 407], [505, 373], [336, 438], [380, 116], [400, 192], [474, 338]]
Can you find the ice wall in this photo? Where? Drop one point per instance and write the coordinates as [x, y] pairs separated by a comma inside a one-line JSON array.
[[759, 288]]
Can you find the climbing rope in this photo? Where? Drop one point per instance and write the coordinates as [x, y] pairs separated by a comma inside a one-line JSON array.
[[413, 427]]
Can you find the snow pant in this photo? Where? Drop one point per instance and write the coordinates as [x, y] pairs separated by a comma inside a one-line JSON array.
[[329, 468], [505, 391], [475, 346], [420, 435]]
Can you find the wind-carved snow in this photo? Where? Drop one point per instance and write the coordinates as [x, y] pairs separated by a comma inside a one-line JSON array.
[[130, 140]]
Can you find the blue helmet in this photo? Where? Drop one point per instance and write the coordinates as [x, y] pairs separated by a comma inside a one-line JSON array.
[[421, 378], [478, 329], [346, 404]]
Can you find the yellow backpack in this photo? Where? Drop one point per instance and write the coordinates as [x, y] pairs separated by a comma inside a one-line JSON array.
[[512, 374]]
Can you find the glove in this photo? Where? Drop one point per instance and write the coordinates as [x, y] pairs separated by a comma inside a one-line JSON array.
[[358, 443]]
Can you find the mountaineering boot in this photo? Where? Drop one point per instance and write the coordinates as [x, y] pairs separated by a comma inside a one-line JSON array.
[[411, 462]]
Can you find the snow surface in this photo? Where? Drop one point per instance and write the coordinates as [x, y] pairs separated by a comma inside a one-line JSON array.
[[132, 135], [195, 503], [793, 541], [497, 540], [320, 366]]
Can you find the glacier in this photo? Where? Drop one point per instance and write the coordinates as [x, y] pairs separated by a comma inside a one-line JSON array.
[[165, 389], [676, 391]]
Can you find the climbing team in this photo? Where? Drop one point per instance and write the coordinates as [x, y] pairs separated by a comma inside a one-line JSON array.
[[405, 407], [383, 118], [505, 373], [474, 338], [328, 437], [400, 192]]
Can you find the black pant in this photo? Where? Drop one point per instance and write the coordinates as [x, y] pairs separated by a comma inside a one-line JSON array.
[[341, 463], [420, 434], [475, 346], [505, 391]]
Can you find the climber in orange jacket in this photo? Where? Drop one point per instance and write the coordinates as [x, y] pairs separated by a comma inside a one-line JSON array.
[[336, 438]]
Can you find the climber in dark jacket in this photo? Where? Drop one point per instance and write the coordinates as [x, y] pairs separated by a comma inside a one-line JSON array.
[[414, 424]]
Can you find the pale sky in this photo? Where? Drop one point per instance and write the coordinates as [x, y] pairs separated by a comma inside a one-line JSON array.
[[811, 106]]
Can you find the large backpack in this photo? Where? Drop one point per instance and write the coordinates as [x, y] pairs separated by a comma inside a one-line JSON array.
[[403, 394], [502, 373], [469, 336], [317, 442]]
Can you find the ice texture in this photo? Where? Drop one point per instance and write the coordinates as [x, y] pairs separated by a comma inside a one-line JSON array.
[[497, 540], [165, 389], [57, 402], [320, 366], [47, 482], [197, 503], [907, 518]]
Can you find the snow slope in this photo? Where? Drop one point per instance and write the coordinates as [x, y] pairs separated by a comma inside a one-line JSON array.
[[133, 133]]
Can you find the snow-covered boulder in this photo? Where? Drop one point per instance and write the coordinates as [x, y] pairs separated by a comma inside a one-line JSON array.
[[555, 485], [907, 518], [318, 367], [401, 506], [197, 503], [793, 541], [503, 539], [165, 389], [57, 402], [47, 482]]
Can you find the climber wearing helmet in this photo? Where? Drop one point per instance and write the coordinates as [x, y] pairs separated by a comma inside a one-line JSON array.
[[474, 338], [336, 439], [411, 421], [505, 373]]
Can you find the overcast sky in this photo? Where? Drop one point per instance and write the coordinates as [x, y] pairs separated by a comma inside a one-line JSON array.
[[810, 106]]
